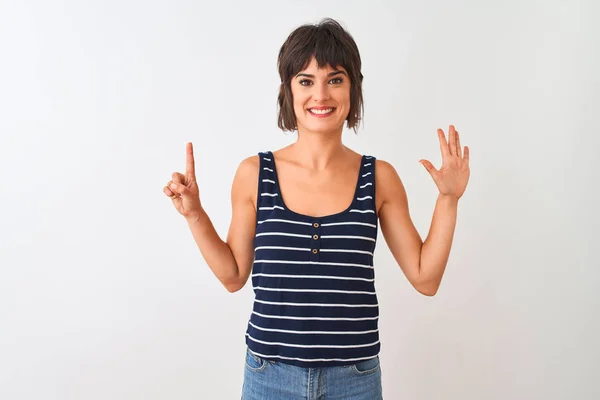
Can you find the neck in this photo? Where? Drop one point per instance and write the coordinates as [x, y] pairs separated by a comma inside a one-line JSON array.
[[317, 150]]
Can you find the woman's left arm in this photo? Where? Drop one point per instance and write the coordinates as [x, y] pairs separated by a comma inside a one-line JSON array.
[[423, 263]]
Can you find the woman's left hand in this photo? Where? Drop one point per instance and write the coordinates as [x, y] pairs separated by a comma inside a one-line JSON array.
[[451, 179]]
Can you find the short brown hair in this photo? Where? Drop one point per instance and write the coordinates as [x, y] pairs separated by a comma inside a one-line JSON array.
[[330, 44]]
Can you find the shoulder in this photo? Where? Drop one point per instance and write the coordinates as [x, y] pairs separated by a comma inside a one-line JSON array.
[[387, 181], [250, 165], [384, 169], [246, 177], [385, 173]]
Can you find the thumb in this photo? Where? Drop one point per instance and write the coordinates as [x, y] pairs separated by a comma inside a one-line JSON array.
[[428, 166]]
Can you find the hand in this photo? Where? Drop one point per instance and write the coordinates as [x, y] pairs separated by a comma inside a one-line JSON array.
[[183, 189], [452, 178]]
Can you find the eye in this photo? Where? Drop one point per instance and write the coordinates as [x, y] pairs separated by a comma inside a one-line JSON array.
[[305, 82], [337, 81]]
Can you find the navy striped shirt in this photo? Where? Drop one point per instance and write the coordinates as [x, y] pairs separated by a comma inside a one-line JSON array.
[[315, 303]]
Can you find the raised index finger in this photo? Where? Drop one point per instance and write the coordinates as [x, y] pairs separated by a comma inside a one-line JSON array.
[[190, 169]]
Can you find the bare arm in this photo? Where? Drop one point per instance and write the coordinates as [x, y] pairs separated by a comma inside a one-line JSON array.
[[399, 232], [230, 261], [243, 221], [424, 263]]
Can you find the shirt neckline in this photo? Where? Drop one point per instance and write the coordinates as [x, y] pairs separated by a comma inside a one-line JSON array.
[[311, 217]]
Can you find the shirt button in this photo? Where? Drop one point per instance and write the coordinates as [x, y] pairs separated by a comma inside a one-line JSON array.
[[315, 237], [315, 251], [316, 225]]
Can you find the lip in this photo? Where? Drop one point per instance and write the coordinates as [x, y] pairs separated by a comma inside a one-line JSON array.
[[321, 108]]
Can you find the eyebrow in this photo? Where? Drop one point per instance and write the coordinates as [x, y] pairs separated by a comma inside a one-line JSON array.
[[329, 74]]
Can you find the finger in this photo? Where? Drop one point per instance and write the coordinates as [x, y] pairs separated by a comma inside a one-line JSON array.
[[466, 156], [178, 178], [428, 166], [168, 191], [443, 143], [458, 148], [190, 165], [179, 189], [452, 139]]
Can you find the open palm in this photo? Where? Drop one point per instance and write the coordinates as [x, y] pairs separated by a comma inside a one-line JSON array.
[[452, 178]]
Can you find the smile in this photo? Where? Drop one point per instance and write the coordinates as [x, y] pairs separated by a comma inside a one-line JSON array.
[[321, 112]]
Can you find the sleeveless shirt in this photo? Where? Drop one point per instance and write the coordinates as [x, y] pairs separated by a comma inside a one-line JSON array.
[[313, 277]]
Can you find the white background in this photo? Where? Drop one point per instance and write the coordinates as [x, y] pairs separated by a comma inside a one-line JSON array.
[[103, 293]]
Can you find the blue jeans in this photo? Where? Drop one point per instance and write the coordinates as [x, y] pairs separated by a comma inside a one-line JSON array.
[[274, 380]]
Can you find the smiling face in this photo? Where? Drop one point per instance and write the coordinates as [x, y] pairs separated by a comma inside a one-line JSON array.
[[321, 98]]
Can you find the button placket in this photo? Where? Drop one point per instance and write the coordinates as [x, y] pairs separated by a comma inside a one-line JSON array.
[[315, 242]]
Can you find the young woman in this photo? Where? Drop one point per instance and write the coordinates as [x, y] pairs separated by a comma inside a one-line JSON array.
[[305, 222]]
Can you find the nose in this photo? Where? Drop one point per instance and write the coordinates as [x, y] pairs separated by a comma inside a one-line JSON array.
[[321, 92]]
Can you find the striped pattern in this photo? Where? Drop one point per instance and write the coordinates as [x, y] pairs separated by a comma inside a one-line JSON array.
[[315, 302]]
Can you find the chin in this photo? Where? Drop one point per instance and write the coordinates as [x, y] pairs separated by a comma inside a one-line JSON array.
[[322, 128]]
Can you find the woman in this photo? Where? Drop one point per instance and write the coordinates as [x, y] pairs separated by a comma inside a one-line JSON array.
[[308, 230]]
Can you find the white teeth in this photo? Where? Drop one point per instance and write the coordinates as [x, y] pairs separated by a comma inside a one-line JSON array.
[[315, 111]]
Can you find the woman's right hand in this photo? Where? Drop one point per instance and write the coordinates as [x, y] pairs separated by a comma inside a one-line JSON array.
[[183, 189]]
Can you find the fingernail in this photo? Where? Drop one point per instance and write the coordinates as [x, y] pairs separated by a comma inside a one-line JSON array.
[[173, 186]]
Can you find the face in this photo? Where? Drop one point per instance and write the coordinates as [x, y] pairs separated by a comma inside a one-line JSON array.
[[321, 98]]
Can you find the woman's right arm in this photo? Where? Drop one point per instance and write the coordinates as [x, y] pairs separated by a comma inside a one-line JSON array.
[[230, 261]]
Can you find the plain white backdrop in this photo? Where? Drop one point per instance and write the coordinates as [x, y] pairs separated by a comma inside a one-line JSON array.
[[103, 293]]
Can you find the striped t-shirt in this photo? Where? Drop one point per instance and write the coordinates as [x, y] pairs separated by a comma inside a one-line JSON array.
[[315, 303]]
